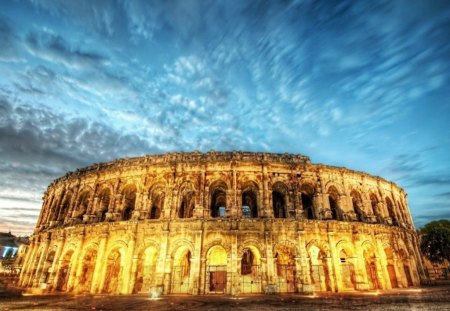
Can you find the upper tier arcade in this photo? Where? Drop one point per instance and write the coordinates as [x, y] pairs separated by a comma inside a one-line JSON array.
[[221, 185]]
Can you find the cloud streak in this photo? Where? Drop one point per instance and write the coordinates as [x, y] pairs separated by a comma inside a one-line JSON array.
[[362, 85]]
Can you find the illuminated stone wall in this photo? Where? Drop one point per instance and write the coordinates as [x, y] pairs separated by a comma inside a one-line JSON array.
[[221, 222]]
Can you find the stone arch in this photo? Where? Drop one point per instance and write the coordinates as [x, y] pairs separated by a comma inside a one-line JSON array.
[[157, 196], [64, 269], [218, 198], [319, 265], [254, 244], [347, 264], [286, 272], [389, 253], [375, 204], [250, 268], [48, 263], [181, 267], [334, 201], [216, 269], [307, 192], [371, 265], [182, 243], [357, 204], [147, 259], [215, 242], [250, 199], [115, 261], [88, 265], [187, 200], [404, 264], [104, 201], [83, 202], [280, 196], [400, 211], [129, 192], [65, 205], [390, 209]]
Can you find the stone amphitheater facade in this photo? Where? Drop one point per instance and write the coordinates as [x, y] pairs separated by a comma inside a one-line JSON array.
[[222, 223]]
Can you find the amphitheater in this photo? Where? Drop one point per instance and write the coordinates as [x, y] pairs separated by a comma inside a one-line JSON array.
[[221, 223]]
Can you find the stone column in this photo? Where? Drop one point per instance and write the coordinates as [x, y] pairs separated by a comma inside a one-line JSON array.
[[160, 272], [235, 288], [128, 279], [304, 272], [27, 261], [195, 262], [54, 268], [41, 262], [334, 268], [99, 264], [270, 275], [75, 261]]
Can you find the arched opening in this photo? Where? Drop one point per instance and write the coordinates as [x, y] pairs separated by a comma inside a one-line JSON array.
[[64, 272], [286, 273], [347, 271], [307, 197], [47, 265], [375, 209], [390, 209], [371, 269], [65, 206], [187, 205], [357, 205], [145, 272], [400, 212], [129, 202], [333, 199], [157, 205], [406, 268], [87, 270], [181, 271], [111, 284], [250, 201], [278, 205], [216, 270], [82, 205], [250, 271], [319, 271], [390, 266], [218, 200], [104, 199]]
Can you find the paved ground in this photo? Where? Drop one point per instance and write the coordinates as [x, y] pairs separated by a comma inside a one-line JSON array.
[[433, 298]]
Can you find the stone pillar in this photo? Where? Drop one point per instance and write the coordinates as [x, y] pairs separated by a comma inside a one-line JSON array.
[[99, 264], [41, 262], [318, 205], [235, 288], [266, 208], [75, 261], [27, 261], [160, 273], [334, 263], [269, 255], [382, 261], [304, 272], [54, 268], [127, 279], [195, 262], [234, 205]]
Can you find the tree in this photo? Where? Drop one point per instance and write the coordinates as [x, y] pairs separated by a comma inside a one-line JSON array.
[[435, 242]]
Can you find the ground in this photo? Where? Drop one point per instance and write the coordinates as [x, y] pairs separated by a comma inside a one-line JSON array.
[[432, 298]]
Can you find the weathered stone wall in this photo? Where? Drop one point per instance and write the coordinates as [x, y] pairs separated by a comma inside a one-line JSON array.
[[229, 222]]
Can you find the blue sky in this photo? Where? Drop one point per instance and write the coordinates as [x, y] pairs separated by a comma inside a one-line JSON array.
[[361, 84]]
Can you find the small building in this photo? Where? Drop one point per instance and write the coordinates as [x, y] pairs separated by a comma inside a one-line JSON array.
[[12, 249]]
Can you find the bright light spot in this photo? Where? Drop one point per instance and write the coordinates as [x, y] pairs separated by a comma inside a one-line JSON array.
[[154, 294]]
